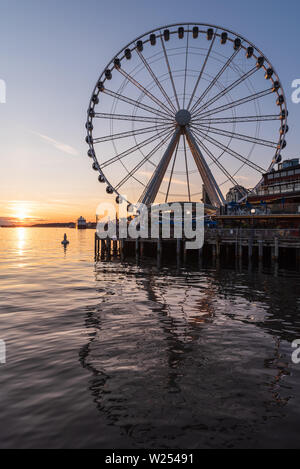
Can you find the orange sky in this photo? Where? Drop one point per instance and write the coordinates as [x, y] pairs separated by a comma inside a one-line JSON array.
[[31, 212], [46, 175]]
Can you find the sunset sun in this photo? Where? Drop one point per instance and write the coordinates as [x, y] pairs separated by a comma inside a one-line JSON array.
[[21, 213]]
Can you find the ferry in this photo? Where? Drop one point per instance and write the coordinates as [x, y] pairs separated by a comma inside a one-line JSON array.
[[81, 223]]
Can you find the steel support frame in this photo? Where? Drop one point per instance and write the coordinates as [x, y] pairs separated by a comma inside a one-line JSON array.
[[211, 186], [150, 192], [149, 195]]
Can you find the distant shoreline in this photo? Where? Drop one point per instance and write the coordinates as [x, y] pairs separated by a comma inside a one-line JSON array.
[[42, 225], [71, 226]]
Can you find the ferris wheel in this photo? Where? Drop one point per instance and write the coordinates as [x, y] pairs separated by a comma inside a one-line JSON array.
[[184, 112]]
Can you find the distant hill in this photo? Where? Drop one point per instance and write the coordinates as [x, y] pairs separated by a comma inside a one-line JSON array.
[[54, 225], [40, 225], [89, 225]]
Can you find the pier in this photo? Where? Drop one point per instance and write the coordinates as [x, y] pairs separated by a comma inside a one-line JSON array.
[[238, 243]]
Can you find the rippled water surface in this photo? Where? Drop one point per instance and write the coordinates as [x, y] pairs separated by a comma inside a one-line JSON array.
[[131, 356]]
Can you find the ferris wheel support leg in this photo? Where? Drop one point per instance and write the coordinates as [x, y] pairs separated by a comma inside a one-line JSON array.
[[212, 188], [152, 188]]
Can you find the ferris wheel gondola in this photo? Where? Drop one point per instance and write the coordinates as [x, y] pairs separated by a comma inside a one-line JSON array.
[[184, 109]]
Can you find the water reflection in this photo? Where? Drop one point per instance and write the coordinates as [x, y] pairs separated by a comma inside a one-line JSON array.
[[188, 359], [21, 234], [169, 357]]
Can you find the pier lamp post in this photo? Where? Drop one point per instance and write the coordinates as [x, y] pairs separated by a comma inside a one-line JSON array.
[[253, 212]]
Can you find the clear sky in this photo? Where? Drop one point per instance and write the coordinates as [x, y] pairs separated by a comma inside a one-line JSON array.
[[51, 54]]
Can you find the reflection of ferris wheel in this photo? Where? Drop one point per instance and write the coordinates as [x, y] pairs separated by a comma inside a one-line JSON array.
[[182, 108]]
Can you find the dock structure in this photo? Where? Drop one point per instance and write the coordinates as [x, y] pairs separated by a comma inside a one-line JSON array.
[[238, 243], [253, 242]]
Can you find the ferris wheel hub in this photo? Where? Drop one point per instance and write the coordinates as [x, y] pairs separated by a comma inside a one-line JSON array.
[[183, 117]]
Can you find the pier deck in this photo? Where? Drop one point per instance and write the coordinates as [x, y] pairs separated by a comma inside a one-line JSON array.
[[256, 243]]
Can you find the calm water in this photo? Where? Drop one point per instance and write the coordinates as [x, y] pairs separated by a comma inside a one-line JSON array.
[[127, 356]]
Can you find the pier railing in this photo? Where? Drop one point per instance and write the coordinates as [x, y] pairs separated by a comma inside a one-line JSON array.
[[244, 233], [267, 209]]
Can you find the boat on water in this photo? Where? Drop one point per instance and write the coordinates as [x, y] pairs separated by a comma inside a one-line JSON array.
[[81, 223]]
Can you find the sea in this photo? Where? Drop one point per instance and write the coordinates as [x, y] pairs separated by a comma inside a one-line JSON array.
[[135, 355]]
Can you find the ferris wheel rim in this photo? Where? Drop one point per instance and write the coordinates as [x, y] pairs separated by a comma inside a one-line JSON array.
[[217, 33]]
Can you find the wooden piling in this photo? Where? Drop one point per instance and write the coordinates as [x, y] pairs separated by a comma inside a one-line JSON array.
[[103, 248], [250, 248], [121, 247], [159, 251], [236, 247], [185, 252], [298, 259], [178, 250], [276, 249], [227, 250], [240, 251], [214, 250], [115, 248], [178, 247], [95, 246], [260, 249], [108, 248], [200, 254]]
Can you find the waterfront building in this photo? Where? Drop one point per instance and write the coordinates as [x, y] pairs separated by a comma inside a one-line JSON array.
[[280, 191], [236, 193], [81, 223]]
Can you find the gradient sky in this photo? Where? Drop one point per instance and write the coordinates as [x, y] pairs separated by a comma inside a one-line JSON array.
[[51, 54]]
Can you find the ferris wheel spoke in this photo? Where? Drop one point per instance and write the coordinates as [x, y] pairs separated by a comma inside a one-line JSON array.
[[237, 103], [144, 160], [238, 119], [216, 161], [185, 69], [172, 172], [202, 71], [152, 188], [214, 81], [128, 117], [186, 168], [135, 103], [226, 90], [145, 91], [183, 90], [233, 153], [170, 72], [245, 138], [133, 149], [158, 84], [130, 133], [213, 190]]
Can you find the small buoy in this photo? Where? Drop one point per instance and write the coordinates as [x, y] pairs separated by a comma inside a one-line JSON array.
[[65, 242]]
